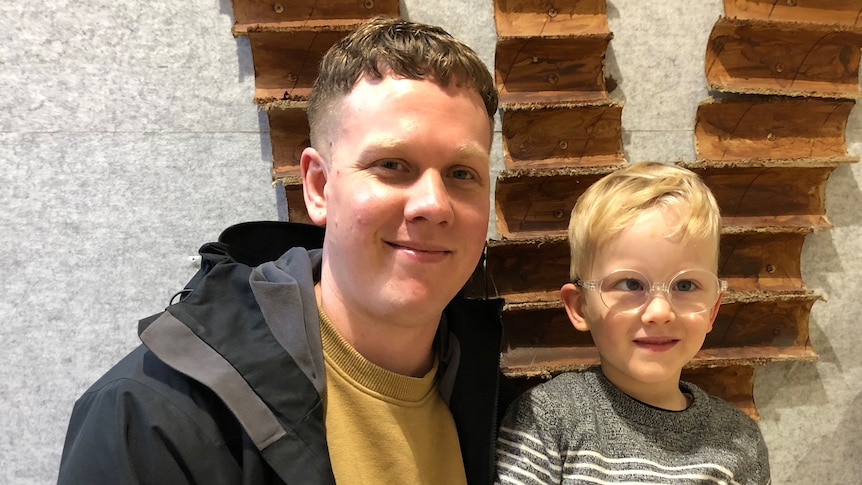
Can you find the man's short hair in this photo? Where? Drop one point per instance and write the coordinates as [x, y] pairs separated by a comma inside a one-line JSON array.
[[406, 49], [614, 202]]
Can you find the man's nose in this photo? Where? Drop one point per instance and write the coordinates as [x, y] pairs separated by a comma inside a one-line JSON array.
[[428, 199]]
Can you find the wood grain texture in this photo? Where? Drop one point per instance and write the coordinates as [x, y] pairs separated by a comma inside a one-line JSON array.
[[552, 136], [289, 136], [759, 57], [770, 128], [844, 13], [558, 18], [261, 15], [286, 63]]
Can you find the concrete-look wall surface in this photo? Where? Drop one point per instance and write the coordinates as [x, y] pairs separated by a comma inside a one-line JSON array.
[[128, 138]]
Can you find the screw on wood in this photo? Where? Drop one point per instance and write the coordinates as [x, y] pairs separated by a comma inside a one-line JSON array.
[[770, 268], [552, 13], [291, 77], [779, 67], [553, 79], [559, 213], [770, 136], [563, 144], [278, 8], [792, 3], [369, 4]]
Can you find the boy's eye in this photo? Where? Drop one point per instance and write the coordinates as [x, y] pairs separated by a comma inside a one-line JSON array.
[[685, 285], [629, 284]]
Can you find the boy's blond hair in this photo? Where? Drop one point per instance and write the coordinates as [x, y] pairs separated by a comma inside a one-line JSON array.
[[618, 199]]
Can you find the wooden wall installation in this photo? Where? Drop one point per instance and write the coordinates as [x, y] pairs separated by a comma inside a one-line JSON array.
[[287, 41], [785, 76]]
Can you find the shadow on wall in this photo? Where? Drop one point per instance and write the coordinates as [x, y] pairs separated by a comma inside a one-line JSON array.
[[837, 456], [245, 70]]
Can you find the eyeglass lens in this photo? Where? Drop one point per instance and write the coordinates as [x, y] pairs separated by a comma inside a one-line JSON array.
[[690, 291]]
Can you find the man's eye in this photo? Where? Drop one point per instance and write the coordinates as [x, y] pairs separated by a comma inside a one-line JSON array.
[[462, 174], [390, 164]]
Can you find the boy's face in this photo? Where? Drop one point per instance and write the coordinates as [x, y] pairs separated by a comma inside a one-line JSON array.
[[643, 352], [404, 196]]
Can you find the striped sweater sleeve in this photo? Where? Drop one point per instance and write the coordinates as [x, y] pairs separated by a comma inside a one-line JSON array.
[[526, 446]]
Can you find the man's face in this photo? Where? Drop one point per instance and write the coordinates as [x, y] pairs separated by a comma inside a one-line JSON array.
[[406, 197]]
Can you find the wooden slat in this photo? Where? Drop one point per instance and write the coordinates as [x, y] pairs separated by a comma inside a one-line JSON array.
[[536, 70], [550, 51], [554, 136], [538, 203], [286, 63], [289, 136], [769, 196], [762, 261], [524, 270], [261, 15], [562, 18], [757, 57], [767, 322], [734, 384], [771, 128], [845, 13], [296, 211]]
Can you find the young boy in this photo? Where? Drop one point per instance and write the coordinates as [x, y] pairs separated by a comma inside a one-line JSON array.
[[644, 244]]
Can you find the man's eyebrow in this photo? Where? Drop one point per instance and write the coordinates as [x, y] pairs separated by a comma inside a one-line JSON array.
[[473, 151], [375, 146]]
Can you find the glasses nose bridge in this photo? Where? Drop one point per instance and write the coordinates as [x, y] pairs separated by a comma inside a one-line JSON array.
[[656, 287]]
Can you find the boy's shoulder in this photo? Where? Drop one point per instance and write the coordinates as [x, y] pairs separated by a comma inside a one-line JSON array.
[[569, 384], [721, 413], [560, 395]]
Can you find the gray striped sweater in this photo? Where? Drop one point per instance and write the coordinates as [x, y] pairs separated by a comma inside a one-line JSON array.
[[579, 428]]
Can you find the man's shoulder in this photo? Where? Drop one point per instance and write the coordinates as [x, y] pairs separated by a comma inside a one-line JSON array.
[[143, 385]]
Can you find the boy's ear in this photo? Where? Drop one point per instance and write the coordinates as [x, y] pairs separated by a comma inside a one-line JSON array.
[[573, 300], [314, 176], [713, 313]]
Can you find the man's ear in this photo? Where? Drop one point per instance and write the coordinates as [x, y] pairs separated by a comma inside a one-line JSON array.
[[573, 300], [314, 175]]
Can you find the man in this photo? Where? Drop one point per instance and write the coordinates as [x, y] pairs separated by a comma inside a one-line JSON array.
[[357, 362]]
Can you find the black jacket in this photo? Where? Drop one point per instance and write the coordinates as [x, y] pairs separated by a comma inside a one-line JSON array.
[[227, 386]]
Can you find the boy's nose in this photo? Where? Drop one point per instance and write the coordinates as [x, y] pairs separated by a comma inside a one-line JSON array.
[[657, 308]]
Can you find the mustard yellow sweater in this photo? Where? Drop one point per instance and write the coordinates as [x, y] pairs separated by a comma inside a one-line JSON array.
[[384, 427]]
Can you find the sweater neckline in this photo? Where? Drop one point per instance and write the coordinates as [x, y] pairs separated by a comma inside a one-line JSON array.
[[370, 377], [629, 408]]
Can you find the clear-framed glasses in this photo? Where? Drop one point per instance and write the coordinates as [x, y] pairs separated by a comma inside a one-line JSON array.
[[627, 291]]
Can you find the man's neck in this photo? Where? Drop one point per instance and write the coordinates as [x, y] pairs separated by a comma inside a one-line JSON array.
[[403, 347]]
